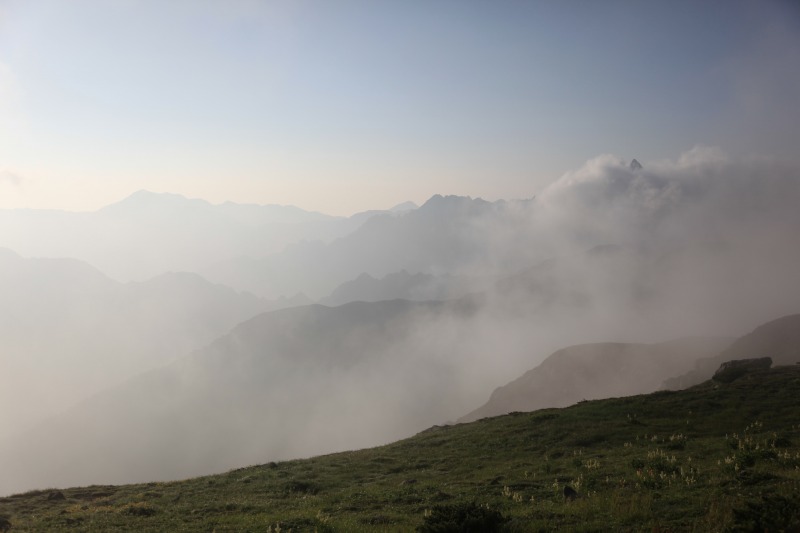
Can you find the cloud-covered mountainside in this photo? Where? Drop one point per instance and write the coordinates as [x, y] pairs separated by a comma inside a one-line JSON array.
[[593, 371], [67, 330], [703, 203], [402, 285], [284, 384], [778, 339], [446, 235], [705, 245]]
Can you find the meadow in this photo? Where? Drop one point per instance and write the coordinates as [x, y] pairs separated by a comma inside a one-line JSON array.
[[715, 457]]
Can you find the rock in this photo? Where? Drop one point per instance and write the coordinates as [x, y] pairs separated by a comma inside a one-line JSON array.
[[55, 496], [733, 370], [570, 494]]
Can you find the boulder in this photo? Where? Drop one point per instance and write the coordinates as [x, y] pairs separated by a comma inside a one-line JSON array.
[[570, 494]]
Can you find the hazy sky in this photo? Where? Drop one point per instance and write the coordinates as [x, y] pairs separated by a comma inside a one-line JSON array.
[[349, 105]]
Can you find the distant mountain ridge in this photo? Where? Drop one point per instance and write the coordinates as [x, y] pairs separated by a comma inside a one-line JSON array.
[[400, 285], [446, 235], [234, 401], [595, 371], [698, 247], [403, 207], [147, 234], [160, 204], [778, 339], [67, 330], [315, 379]]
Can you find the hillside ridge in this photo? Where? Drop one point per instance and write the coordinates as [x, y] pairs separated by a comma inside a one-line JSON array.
[[654, 461]]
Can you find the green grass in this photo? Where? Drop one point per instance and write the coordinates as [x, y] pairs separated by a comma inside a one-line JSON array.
[[711, 458]]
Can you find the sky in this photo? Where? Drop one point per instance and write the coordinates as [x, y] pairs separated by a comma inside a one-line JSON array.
[[363, 104]]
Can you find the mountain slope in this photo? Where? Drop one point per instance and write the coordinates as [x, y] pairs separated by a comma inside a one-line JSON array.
[[316, 379], [778, 339], [399, 285], [67, 330], [593, 371], [711, 458], [292, 382]]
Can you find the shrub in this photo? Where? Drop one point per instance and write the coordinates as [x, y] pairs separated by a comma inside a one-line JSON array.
[[138, 509], [772, 513], [462, 518], [301, 486]]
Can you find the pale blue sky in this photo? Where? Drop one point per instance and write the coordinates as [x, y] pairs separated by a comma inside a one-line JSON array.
[[340, 106]]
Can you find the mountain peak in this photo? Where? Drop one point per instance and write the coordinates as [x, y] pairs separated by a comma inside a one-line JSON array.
[[635, 165], [155, 201], [451, 200], [405, 206]]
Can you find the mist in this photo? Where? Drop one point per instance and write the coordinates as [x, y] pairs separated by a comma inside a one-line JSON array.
[[179, 375]]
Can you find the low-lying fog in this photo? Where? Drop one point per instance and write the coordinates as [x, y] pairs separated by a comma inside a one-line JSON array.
[[703, 245]]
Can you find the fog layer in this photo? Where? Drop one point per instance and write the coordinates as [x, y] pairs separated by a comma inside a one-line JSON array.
[[703, 245]]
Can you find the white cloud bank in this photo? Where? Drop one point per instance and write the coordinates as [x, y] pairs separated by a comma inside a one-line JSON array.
[[703, 195]]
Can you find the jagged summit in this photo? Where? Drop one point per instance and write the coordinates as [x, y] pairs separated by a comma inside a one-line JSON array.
[[635, 165]]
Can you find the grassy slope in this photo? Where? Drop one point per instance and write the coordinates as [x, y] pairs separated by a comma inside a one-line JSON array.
[[668, 460]]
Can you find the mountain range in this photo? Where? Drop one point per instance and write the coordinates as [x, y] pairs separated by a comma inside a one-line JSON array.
[[177, 375], [446, 235], [315, 379], [147, 234], [67, 330]]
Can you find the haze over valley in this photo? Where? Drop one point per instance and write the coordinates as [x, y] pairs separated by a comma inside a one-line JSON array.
[[275, 230], [176, 376]]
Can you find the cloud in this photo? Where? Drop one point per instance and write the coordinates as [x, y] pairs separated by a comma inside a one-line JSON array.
[[719, 254], [704, 194], [6, 176], [714, 234]]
